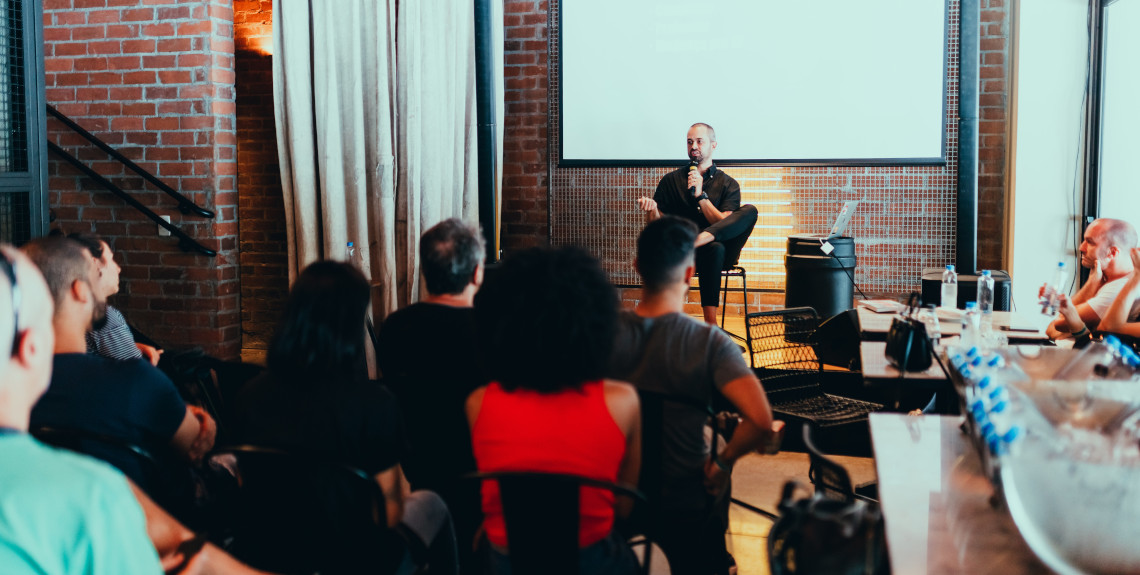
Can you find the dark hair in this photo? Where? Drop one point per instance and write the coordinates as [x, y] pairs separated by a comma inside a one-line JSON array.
[[664, 248], [546, 320], [321, 336], [449, 253], [62, 261], [92, 242]]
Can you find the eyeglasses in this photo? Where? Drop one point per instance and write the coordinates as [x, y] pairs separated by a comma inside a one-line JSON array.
[[9, 269]]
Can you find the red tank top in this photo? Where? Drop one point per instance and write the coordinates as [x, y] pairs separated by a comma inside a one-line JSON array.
[[570, 431]]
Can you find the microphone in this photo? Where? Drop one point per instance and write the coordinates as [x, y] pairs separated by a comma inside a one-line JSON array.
[[692, 166]]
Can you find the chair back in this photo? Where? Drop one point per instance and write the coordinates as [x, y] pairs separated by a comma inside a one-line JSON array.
[[829, 477], [295, 513], [656, 408], [541, 512], [132, 460], [781, 341]]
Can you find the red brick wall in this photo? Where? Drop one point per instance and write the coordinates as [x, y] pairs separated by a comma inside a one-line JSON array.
[[992, 129], [154, 79], [261, 207], [526, 168]]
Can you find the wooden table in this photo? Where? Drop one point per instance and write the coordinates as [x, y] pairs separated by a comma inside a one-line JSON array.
[[874, 326], [936, 502]]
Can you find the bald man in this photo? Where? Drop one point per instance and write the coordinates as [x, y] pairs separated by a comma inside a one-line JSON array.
[[1105, 251], [59, 512]]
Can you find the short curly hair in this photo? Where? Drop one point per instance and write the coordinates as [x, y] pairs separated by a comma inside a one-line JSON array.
[[547, 320]]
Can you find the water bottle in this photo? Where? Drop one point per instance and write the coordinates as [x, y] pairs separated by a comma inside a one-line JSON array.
[[971, 325], [949, 288], [1053, 289], [350, 253]]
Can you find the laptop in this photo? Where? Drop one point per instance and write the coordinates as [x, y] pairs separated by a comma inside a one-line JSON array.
[[843, 219]]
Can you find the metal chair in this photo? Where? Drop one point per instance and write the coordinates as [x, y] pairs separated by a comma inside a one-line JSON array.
[[783, 353], [734, 271], [831, 479], [295, 513], [541, 512]]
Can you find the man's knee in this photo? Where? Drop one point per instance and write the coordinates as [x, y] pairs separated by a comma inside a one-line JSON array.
[[712, 251]]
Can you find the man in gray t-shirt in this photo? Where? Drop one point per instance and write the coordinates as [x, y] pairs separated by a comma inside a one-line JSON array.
[[660, 349]]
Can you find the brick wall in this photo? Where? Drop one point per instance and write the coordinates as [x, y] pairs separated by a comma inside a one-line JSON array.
[[154, 79], [992, 129], [261, 207], [526, 181]]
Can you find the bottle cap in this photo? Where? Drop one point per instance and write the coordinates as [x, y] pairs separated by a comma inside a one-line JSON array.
[[987, 430], [1060, 264], [973, 351], [950, 267], [977, 361], [1000, 406], [996, 361], [986, 272], [1012, 435], [985, 382], [971, 305], [1111, 340], [350, 244]]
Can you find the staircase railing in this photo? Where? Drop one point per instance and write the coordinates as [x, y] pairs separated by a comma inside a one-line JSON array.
[[185, 206]]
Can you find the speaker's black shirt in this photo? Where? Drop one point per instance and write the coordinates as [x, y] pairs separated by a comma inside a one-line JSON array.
[[673, 197]]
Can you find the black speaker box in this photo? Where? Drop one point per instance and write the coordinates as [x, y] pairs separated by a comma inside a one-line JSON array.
[[967, 288], [837, 340]]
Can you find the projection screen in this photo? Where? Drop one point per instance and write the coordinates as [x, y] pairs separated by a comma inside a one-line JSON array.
[[783, 82]]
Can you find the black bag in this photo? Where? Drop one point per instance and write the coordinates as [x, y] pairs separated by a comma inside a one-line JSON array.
[[817, 535], [908, 346]]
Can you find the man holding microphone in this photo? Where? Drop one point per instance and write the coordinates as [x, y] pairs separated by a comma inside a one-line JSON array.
[[710, 198]]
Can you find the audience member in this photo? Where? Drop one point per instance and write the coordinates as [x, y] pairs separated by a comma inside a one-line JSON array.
[[61, 512], [660, 349], [128, 400], [1104, 252], [546, 324], [315, 398], [112, 339], [427, 355], [1123, 316]]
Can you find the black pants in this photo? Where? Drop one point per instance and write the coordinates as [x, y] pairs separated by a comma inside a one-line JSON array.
[[722, 253], [693, 540]]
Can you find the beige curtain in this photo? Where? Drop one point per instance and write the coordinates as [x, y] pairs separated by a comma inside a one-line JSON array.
[[438, 145], [350, 81]]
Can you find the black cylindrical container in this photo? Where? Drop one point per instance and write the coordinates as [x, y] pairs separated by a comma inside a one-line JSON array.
[[816, 279]]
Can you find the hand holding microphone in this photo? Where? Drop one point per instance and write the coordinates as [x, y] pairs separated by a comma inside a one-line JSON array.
[[696, 182]]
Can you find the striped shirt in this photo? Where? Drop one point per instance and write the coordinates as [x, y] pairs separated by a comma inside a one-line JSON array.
[[113, 340]]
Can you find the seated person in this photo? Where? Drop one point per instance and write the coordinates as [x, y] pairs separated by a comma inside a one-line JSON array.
[[546, 324], [432, 392], [710, 198], [660, 349], [1104, 252], [1123, 316], [315, 398], [113, 339], [131, 401], [61, 512]]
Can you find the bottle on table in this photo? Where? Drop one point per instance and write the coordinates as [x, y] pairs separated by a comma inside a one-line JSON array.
[[971, 326], [986, 301], [949, 288], [1053, 289]]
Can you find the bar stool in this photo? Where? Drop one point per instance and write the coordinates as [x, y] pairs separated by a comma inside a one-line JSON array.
[[734, 271]]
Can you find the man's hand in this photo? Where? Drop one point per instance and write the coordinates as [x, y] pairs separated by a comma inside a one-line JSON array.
[[696, 181], [1068, 311], [647, 204], [207, 432], [1135, 253], [151, 354], [1096, 277], [716, 479]]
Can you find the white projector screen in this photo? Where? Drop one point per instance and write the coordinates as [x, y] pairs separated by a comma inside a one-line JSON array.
[[783, 82]]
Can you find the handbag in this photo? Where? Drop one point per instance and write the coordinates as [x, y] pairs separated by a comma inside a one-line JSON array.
[[908, 346], [817, 535]]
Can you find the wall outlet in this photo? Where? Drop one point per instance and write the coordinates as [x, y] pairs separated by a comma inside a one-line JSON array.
[[161, 230]]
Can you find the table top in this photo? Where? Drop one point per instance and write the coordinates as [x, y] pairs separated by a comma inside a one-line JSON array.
[[876, 368], [936, 502], [871, 323]]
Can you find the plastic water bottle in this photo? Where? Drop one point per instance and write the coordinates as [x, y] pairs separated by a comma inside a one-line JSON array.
[[986, 293], [1053, 289], [1098, 360], [350, 253], [971, 326], [949, 288]]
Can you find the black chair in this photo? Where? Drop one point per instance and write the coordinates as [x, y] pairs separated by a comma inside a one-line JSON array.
[[302, 514], [781, 344], [541, 512], [831, 479]]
